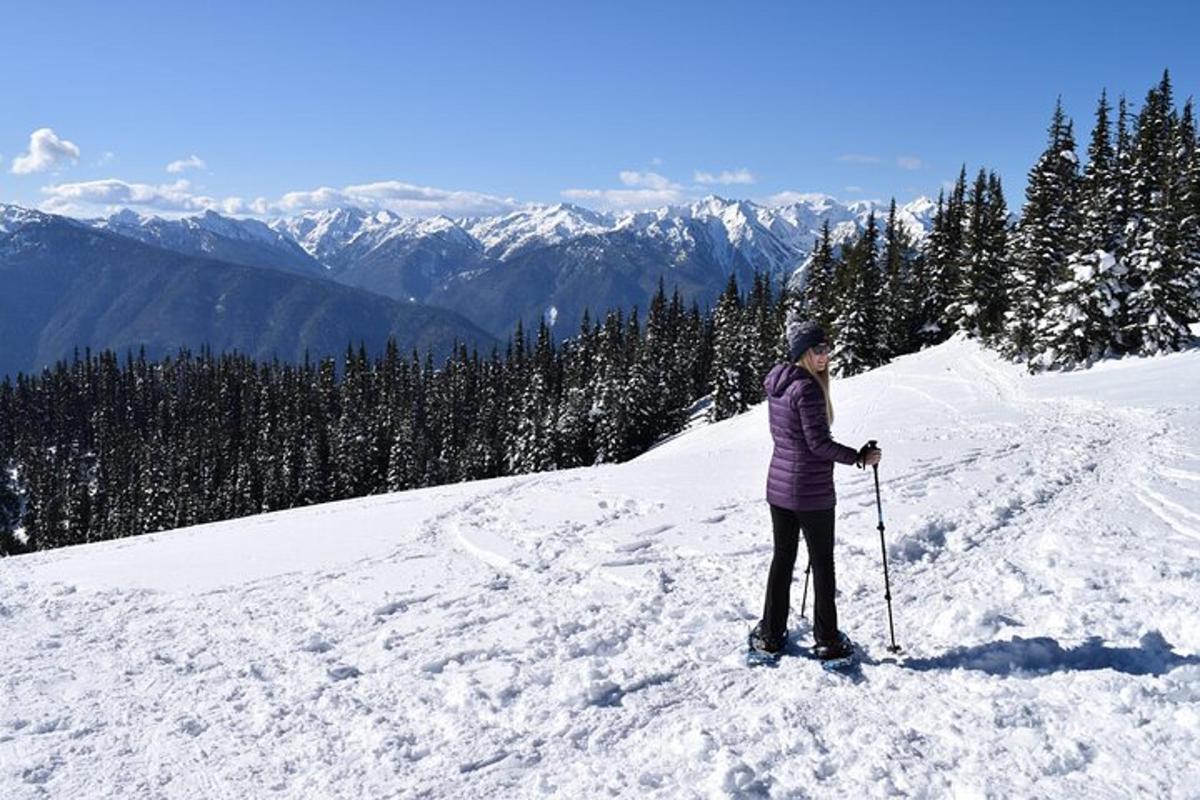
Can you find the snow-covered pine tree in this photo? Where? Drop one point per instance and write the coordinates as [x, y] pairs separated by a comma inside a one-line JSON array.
[[952, 275], [683, 357], [611, 411], [349, 445], [575, 420], [516, 375], [641, 388], [928, 322], [456, 409], [898, 301], [485, 452], [733, 355], [1187, 206], [10, 499], [1082, 317], [667, 396], [762, 313], [817, 296], [858, 332], [1160, 295], [1044, 238], [316, 473], [996, 263], [789, 299], [534, 446], [972, 285], [156, 503], [269, 432], [401, 448], [426, 420]]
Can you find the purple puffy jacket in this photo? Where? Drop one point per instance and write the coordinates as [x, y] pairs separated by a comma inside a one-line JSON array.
[[801, 472]]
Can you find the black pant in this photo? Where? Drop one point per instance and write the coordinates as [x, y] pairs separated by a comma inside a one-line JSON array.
[[818, 535]]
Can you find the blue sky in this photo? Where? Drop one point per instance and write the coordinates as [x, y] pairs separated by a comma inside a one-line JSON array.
[[478, 107]]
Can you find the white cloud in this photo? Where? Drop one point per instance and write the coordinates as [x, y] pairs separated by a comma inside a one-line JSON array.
[[106, 158], [646, 180], [622, 199], [725, 177], [111, 194], [191, 162], [647, 190], [405, 199], [909, 162], [859, 158], [46, 151], [88, 198], [788, 198], [656, 161], [852, 188]]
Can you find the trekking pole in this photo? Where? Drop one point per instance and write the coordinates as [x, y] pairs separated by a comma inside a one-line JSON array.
[[887, 586], [804, 597]]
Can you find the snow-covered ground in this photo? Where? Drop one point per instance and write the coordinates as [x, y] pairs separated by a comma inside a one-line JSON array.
[[580, 633]]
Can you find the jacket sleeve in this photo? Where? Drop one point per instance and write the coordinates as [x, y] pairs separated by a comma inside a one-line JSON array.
[[815, 424]]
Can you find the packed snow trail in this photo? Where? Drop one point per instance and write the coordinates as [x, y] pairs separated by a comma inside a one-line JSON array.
[[581, 633]]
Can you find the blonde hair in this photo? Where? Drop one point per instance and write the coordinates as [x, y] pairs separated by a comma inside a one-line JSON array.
[[806, 363]]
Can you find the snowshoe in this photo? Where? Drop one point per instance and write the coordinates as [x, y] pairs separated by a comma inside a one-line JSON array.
[[762, 650], [840, 654]]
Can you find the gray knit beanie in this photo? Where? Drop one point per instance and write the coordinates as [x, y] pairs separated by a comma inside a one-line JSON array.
[[801, 335]]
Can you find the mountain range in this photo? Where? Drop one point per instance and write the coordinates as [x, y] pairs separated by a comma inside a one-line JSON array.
[[349, 273], [66, 286]]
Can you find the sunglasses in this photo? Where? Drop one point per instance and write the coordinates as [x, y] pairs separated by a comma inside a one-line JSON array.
[[821, 349]]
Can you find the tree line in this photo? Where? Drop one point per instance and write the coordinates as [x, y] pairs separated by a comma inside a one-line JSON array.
[[99, 447]]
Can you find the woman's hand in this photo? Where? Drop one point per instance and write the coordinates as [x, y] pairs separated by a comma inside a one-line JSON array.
[[868, 456]]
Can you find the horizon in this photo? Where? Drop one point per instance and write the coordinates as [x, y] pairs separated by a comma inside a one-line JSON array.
[[809, 199]]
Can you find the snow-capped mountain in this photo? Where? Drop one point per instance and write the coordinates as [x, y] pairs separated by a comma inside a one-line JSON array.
[[66, 286], [237, 241], [773, 238], [502, 236], [13, 218], [517, 266]]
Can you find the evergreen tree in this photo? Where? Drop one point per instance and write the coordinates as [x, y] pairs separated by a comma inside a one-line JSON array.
[[818, 302], [1186, 191], [858, 333], [575, 422], [1160, 296], [611, 412], [952, 276], [898, 301], [980, 292], [929, 284], [1043, 239], [535, 444], [733, 366], [1082, 321], [768, 332]]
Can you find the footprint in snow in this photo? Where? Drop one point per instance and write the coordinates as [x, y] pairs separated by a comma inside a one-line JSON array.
[[343, 672], [192, 726]]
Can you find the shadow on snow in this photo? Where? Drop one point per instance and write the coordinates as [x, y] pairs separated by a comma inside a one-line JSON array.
[[1043, 655]]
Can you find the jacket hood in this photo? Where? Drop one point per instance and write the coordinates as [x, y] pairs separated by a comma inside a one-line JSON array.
[[782, 376]]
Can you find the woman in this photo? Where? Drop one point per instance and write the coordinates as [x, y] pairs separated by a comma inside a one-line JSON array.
[[800, 489]]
